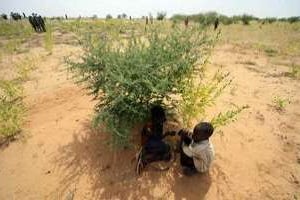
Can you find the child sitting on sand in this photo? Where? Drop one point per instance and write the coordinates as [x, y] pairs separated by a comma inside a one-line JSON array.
[[153, 147], [196, 151]]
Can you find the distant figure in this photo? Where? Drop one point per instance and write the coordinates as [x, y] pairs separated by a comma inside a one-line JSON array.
[[66, 16], [130, 18], [147, 20], [30, 18], [15, 16], [24, 15], [37, 23], [186, 21], [41, 23], [216, 23]]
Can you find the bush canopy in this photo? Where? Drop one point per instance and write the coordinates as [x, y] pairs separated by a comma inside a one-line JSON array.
[[127, 76]]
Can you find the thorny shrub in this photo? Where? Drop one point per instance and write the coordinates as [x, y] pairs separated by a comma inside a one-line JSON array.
[[128, 75]]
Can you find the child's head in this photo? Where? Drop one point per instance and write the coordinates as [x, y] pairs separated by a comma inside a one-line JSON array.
[[158, 114], [202, 131]]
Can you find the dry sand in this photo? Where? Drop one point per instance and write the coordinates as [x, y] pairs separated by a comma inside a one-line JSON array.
[[257, 157]]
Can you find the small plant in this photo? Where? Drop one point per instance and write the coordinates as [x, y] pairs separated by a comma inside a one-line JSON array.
[[197, 97], [280, 103], [11, 108], [25, 67], [224, 118], [12, 46], [270, 52], [294, 71]]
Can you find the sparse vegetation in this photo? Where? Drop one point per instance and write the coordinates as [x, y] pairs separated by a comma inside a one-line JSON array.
[[48, 38], [128, 69], [270, 52], [280, 103], [197, 96], [246, 19], [293, 19], [11, 109], [24, 67], [224, 118], [294, 71], [270, 20]]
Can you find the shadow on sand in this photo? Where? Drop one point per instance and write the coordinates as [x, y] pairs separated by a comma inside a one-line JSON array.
[[90, 169]]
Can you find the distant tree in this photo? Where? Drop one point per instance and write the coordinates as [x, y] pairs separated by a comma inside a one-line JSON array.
[[270, 20], [236, 19], [4, 16], [94, 16], [124, 16], [210, 18], [293, 19], [226, 20], [161, 16], [283, 19], [109, 16], [246, 19]]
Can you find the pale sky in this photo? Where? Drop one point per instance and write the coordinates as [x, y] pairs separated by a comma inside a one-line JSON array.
[[137, 8]]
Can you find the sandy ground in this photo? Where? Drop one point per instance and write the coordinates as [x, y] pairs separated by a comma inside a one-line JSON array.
[[257, 157]]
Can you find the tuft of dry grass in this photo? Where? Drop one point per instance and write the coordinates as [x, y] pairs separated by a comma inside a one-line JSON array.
[[294, 71], [11, 108], [48, 38]]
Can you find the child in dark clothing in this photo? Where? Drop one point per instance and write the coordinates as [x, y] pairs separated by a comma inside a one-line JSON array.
[[153, 146]]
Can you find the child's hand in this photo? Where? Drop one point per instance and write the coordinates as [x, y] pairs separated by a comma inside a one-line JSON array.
[[187, 140], [184, 132]]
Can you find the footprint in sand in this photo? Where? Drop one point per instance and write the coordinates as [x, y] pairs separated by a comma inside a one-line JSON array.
[[284, 127], [260, 117], [255, 93]]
